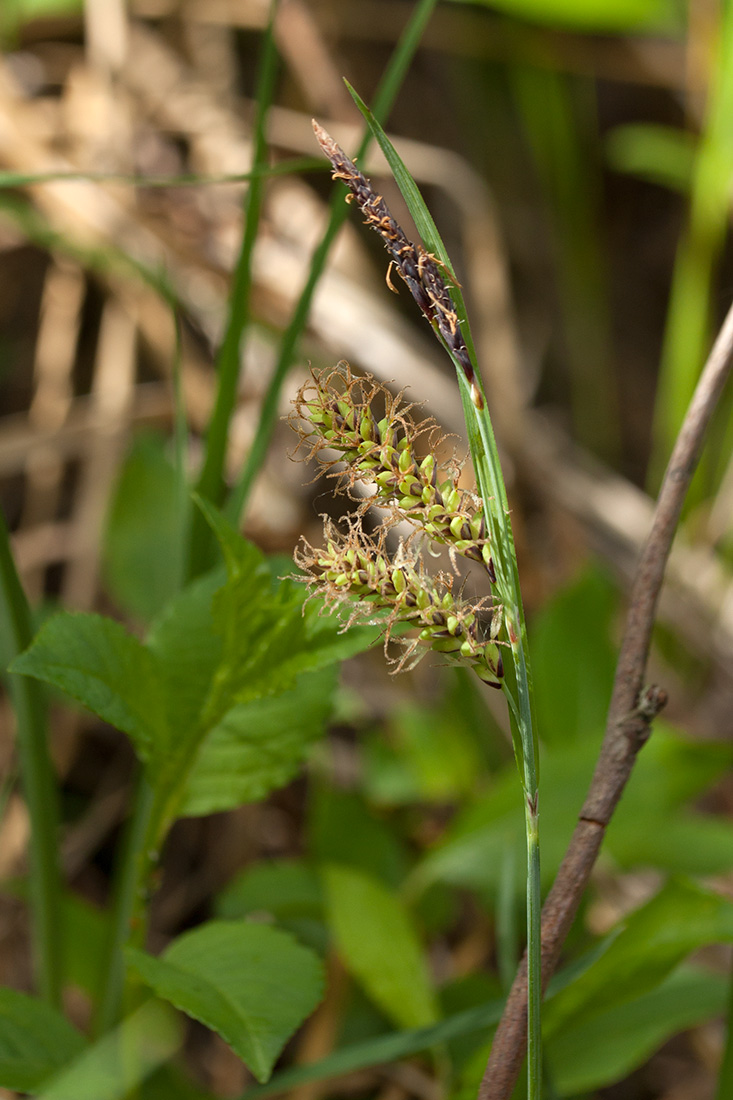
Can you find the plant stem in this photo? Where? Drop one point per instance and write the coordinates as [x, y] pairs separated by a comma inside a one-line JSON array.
[[39, 786], [725, 1078], [210, 484], [131, 873], [630, 714]]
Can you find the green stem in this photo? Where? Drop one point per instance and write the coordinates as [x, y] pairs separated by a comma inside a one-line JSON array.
[[39, 786], [210, 484], [534, 953], [725, 1078], [383, 100], [130, 877]]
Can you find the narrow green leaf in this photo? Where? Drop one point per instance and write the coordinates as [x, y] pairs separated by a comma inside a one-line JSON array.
[[118, 1063], [381, 1050], [608, 1045], [252, 984], [679, 919], [35, 1041], [95, 661], [38, 778], [661, 154], [259, 746], [379, 945], [588, 15]]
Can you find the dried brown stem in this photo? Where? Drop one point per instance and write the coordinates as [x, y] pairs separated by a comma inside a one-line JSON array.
[[629, 716]]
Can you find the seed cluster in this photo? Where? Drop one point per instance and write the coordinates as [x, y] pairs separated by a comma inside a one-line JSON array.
[[354, 567], [334, 410], [421, 272]]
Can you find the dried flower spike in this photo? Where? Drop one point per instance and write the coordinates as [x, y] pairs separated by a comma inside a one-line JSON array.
[[334, 410], [422, 273], [356, 568]]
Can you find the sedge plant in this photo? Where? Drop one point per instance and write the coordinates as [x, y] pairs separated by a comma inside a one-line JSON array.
[[478, 526]]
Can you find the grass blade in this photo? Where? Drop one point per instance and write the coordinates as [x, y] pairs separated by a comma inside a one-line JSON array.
[[210, 484], [383, 1049], [383, 100], [485, 457], [37, 774]]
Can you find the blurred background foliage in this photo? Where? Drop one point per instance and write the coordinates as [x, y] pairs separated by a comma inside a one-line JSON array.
[[577, 156]]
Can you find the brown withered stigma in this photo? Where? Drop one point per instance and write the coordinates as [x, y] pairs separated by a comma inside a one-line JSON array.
[[421, 272], [337, 414], [335, 410], [353, 567]]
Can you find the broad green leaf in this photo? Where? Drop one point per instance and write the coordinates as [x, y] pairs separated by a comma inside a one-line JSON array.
[[611, 1043], [588, 15], [343, 829], [188, 652], [259, 746], [115, 1066], [143, 540], [654, 939], [252, 984], [35, 1041], [98, 663], [287, 891], [379, 945], [283, 887], [573, 661]]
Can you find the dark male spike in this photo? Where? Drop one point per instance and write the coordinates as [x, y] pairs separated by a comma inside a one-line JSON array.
[[420, 271]]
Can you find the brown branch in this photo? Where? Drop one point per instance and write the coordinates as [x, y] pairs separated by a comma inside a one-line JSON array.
[[629, 716]]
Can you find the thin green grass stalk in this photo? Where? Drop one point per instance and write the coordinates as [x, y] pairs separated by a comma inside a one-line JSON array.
[[517, 682], [554, 110], [687, 332], [129, 873], [725, 1077], [210, 484], [39, 786], [384, 98]]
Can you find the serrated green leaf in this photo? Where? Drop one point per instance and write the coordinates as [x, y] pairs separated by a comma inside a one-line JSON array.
[[379, 945], [143, 541], [607, 1046], [252, 984], [259, 746], [115, 1066], [35, 1041], [188, 652], [95, 661]]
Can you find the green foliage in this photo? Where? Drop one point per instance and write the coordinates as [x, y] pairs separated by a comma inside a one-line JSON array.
[[143, 538], [252, 984], [121, 1061], [588, 15], [35, 1041], [380, 946]]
